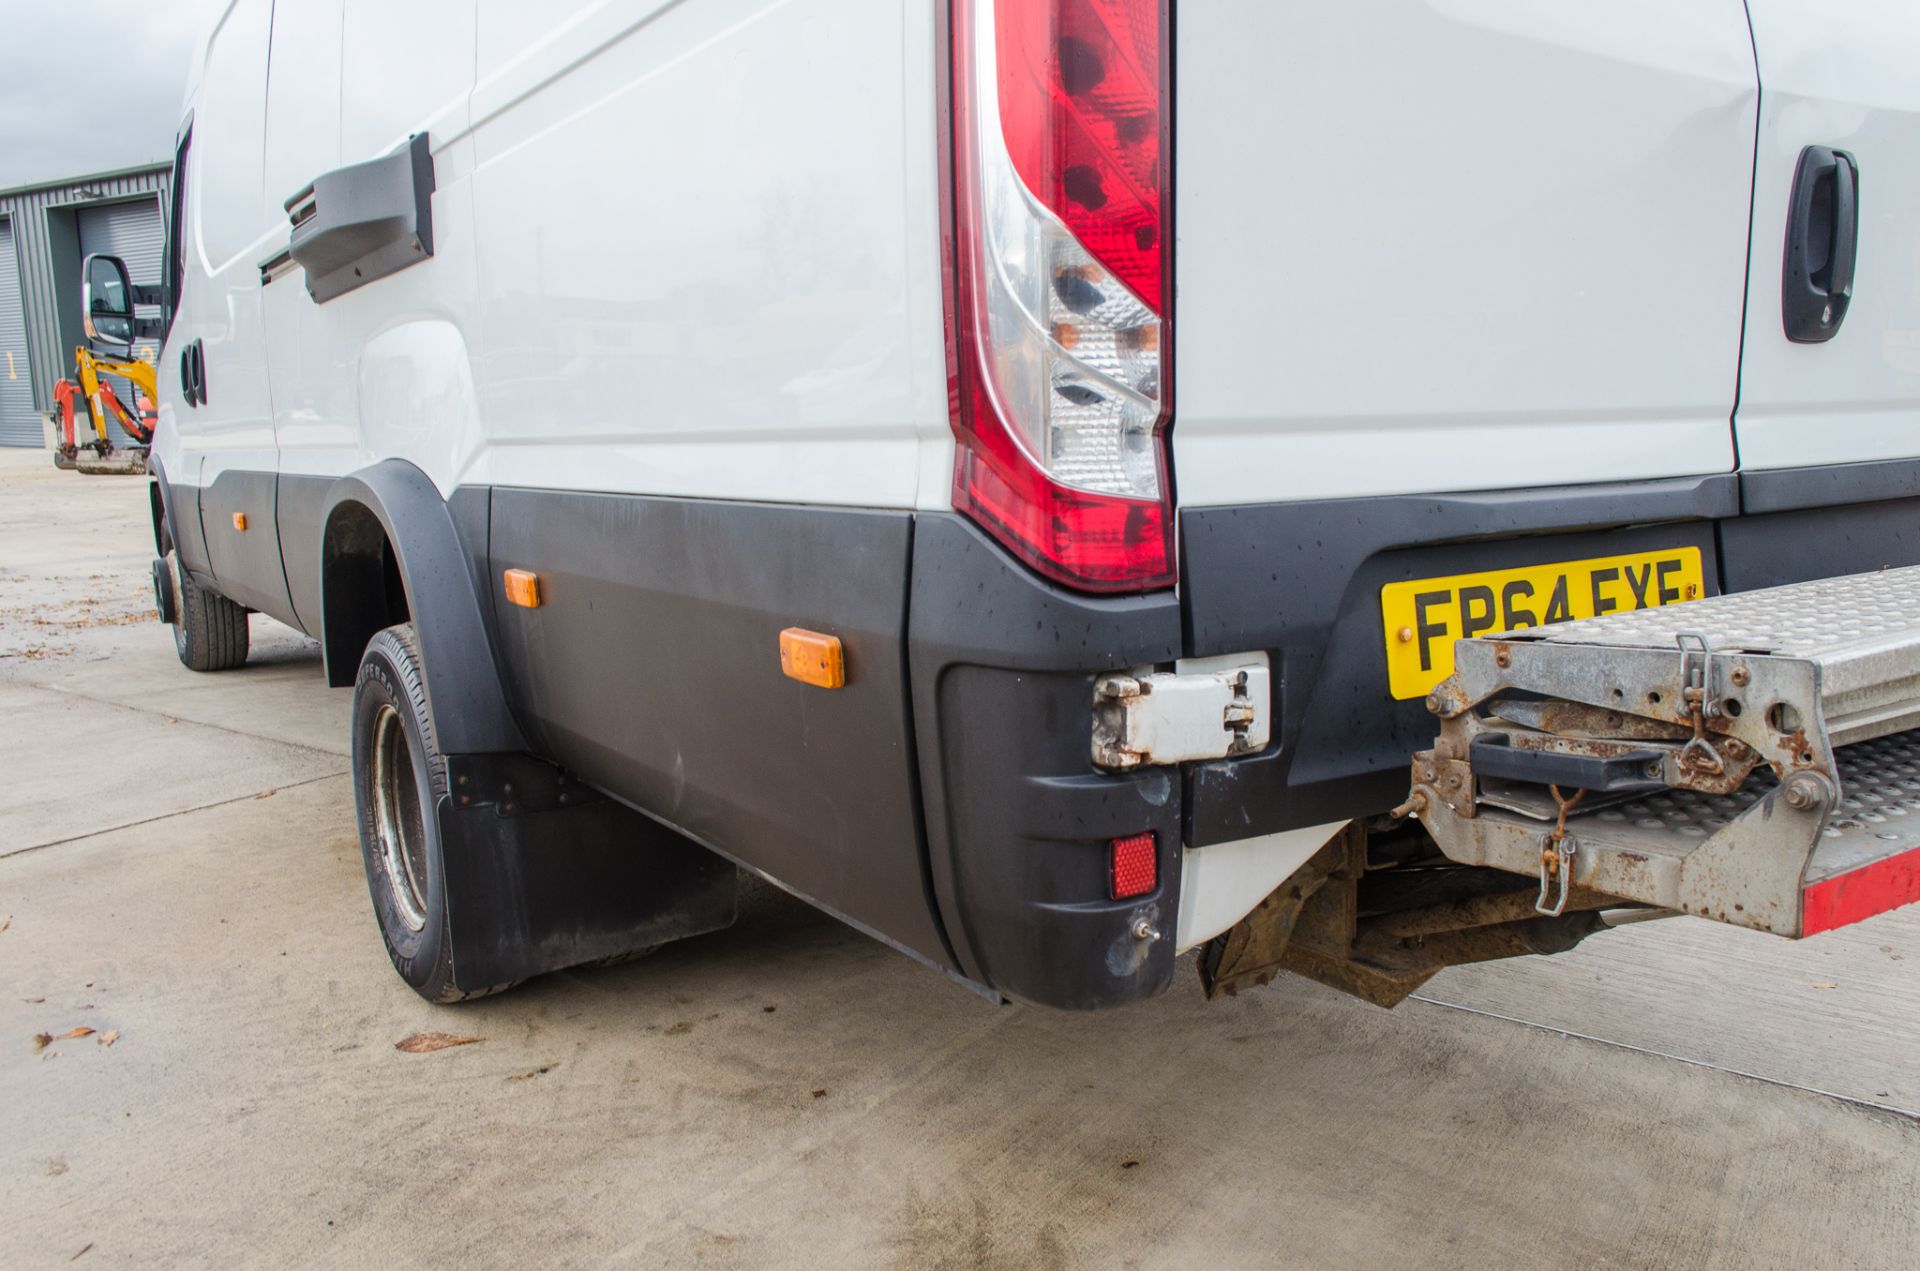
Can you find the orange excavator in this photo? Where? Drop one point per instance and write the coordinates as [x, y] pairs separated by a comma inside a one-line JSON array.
[[88, 391], [107, 310]]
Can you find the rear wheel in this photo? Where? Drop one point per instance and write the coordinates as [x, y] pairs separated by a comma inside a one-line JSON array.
[[209, 631], [399, 778]]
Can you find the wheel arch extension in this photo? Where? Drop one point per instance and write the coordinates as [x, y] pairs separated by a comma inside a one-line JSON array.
[[386, 529], [166, 534]]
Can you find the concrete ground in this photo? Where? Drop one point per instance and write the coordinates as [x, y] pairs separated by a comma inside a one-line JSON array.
[[178, 869]]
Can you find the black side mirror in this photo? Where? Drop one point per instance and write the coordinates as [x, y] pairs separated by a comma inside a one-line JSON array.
[[106, 300]]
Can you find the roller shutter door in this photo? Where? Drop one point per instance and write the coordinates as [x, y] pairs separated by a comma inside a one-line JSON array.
[[137, 234], [132, 231], [19, 422]]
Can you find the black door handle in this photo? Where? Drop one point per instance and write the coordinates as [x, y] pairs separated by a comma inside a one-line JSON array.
[[1823, 237]]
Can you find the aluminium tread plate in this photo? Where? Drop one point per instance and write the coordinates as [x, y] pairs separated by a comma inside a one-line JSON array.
[[1878, 814], [1861, 631], [1827, 619]]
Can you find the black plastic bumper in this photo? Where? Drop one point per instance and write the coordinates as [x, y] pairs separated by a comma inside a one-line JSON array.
[[1001, 668], [1018, 821]]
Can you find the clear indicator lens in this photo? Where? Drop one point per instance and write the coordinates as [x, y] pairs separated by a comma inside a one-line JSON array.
[[1085, 407]]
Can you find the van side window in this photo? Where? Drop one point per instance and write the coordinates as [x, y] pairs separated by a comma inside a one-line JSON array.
[[176, 257], [230, 127]]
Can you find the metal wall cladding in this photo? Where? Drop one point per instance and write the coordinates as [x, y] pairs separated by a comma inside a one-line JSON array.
[[42, 249], [19, 424]]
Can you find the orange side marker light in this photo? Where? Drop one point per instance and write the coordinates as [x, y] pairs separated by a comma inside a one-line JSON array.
[[812, 657], [240, 521], [523, 588]]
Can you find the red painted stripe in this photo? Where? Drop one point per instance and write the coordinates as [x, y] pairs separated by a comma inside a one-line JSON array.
[[1861, 893]]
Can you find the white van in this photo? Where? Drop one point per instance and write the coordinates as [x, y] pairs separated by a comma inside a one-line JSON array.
[[1013, 472]]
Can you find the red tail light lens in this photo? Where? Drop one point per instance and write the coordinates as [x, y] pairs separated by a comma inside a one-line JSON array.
[[1081, 95], [1059, 339]]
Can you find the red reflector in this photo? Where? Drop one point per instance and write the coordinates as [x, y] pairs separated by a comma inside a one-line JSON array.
[[1136, 868], [1859, 894]]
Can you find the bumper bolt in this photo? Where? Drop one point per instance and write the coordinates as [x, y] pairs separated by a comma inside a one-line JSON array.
[[1807, 791]]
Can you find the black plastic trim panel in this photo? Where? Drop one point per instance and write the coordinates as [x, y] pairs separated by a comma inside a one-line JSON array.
[[652, 667], [1018, 820], [357, 224], [1786, 489], [1301, 581], [1777, 548], [245, 562], [301, 515]]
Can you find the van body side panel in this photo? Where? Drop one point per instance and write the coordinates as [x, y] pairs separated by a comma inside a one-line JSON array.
[[1476, 245], [384, 370], [651, 667], [1838, 74], [709, 250]]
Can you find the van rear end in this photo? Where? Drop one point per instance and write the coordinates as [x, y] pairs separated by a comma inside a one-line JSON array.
[[1295, 343]]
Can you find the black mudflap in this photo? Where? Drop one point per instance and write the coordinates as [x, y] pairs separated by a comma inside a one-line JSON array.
[[544, 873]]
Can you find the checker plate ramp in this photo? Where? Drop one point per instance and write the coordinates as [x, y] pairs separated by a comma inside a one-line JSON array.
[[1752, 758]]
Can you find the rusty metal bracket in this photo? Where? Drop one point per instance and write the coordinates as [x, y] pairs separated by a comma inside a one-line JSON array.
[[1250, 953]]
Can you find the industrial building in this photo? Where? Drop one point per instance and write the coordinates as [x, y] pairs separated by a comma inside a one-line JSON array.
[[46, 230]]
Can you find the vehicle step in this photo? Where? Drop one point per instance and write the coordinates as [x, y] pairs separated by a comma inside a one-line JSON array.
[[1862, 631], [1752, 758]]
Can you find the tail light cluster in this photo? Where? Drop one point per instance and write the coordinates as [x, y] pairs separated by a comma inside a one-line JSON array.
[[1060, 281]]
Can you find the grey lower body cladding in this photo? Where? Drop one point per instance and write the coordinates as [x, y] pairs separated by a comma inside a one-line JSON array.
[[942, 800], [945, 799]]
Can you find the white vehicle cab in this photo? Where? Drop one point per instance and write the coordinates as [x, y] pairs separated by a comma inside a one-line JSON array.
[[1033, 477]]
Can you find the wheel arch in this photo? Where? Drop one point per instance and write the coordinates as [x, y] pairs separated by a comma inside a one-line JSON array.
[[166, 534], [390, 552]]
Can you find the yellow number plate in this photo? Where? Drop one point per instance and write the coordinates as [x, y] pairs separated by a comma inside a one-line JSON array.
[[1424, 617]]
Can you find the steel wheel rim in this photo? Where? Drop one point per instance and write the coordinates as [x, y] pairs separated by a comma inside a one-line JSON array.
[[397, 820]]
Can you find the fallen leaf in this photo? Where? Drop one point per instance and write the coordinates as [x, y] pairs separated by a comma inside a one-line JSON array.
[[531, 1073], [33, 1001], [55, 1169], [42, 1040], [83, 1249], [819, 1094], [423, 1043], [1823, 984], [769, 1009], [266, 794], [109, 1037], [1128, 1164], [80, 1031], [6, 922]]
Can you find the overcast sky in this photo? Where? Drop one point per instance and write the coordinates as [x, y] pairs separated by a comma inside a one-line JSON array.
[[88, 85]]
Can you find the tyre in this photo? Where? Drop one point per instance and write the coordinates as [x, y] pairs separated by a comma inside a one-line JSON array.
[[399, 778], [210, 633]]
